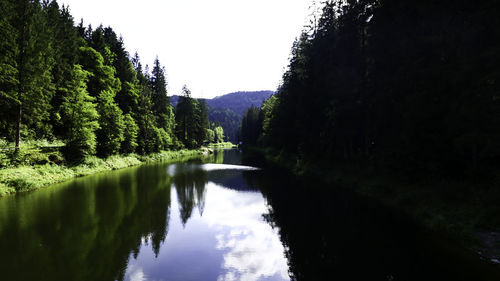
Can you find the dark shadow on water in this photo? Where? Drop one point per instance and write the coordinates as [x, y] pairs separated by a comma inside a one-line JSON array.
[[333, 234]]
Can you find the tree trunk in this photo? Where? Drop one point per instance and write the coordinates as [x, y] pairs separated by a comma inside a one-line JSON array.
[[18, 129]]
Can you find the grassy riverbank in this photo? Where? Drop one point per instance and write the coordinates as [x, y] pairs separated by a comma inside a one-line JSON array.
[[31, 177], [466, 210], [222, 145]]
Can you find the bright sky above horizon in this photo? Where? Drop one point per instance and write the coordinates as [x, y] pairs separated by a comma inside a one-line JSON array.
[[214, 47]]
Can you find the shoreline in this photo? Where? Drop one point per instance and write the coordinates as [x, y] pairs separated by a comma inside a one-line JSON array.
[[26, 178], [447, 207]]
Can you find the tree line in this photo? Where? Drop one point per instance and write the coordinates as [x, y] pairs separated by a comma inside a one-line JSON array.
[[409, 85], [77, 83]]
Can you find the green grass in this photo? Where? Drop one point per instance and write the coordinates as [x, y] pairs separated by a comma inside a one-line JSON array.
[[222, 145], [27, 177], [27, 144], [171, 156]]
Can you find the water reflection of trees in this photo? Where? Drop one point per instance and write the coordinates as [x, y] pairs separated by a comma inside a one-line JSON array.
[[190, 184], [218, 156], [87, 230], [332, 234]]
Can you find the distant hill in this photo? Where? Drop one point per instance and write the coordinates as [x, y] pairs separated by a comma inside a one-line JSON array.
[[228, 109]]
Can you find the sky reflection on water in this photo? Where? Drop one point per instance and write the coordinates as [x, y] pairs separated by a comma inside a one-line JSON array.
[[225, 239]]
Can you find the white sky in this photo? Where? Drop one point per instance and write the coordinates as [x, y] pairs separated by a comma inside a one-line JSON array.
[[213, 46]]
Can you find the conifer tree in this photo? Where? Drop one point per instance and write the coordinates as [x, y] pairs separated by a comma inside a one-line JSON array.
[[184, 115], [161, 103], [8, 71], [145, 116], [65, 41], [34, 63]]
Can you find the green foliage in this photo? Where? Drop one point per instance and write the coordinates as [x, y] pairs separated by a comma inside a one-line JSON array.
[[80, 114], [103, 76], [256, 123], [218, 134], [31, 152], [26, 178], [161, 138], [26, 61], [130, 133], [393, 85], [61, 81], [146, 119], [229, 120], [210, 135], [8, 71], [222, 145], [116, 162], [179, 155], [191, 118], [159, 98], [110, 133], [4, 160], [267, 109], [65, 42], [251, 126], [128, 97]]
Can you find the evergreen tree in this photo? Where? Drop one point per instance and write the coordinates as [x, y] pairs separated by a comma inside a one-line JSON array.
[[200, 121], [145, 117], [65, 43], [183, 114], [191, 120], [8, 71], [251, 126], [34, 63], [161, 103], [127, 97], [130, 133]]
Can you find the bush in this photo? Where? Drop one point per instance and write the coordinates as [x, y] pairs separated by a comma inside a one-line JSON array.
[[119, 162], [56, 158], [130, 133], [21, 184], [4, 143], [4, 160]]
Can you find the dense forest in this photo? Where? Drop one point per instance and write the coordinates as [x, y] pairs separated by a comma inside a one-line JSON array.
[[78, 84], [227, 110], [412, 86]]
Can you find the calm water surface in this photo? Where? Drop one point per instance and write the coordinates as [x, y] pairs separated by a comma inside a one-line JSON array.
[[216, 219]]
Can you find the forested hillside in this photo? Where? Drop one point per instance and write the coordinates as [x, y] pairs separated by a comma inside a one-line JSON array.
[[227, 110], [412, 86], [78, 84]]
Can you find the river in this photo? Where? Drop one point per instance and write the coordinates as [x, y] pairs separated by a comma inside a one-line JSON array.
[[217, 219]]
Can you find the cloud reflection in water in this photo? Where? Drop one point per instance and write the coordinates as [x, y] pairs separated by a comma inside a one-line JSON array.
[[252, 250], [231, 241]]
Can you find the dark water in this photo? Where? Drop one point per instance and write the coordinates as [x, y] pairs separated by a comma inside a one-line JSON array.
[[201, 220]]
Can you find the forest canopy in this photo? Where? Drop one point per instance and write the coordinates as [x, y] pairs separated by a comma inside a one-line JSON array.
[[78, 84], [408, 85]]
